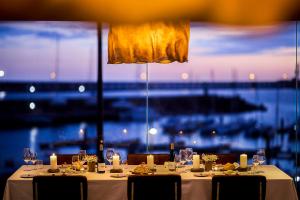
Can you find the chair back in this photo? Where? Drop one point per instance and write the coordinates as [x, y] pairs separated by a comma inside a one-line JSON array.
[[64, 158], [238, 187], [167, 187], [227, 158], [59, 187], [136, 159]]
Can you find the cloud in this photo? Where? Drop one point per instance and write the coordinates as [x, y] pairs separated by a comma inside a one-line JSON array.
[[220, 40], [49, 30]]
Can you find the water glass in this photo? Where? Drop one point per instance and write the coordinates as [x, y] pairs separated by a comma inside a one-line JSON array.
[[177, 160], [75, 162], [33, 159], [39, 164], [82, 156], [255, 162]]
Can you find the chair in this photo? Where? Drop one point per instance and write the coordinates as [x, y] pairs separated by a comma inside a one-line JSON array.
[[227, 158], [136, 159], [64, 158], [59, 187], [154, 187], [238, 187]]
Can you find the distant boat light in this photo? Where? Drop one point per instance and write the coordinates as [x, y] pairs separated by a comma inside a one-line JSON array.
[[32, 89], [2, 73], [252, 76], [143, 76], [81, 88], [32, 105], [285, 76], [2, 94], [184, 76], [153, 131], [52, 75]]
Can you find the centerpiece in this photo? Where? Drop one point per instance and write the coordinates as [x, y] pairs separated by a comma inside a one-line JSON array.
[[209, 159], [91, 162]]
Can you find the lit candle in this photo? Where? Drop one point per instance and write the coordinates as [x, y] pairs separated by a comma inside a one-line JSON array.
[[243, 161], [196, 161], [150, 161], [116, 162], [53, 161]]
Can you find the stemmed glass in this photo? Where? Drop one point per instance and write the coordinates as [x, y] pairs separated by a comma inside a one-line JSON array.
[[75, 161], [255, 162], [33, 159], [189, 154], [27, 158], [109, 155], [261, 156], [183, 156], [177, 160], [82, 157]]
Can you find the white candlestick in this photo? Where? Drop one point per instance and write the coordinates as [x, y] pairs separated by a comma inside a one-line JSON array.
[[53, 161], [243, 161], [196, 161], [116, 162], [150, 161]]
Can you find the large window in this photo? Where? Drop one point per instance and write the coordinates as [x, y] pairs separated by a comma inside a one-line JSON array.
[[48, 89], [236, 94]]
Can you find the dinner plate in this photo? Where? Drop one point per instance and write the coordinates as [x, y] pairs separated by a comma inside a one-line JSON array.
[[118, 175], [27, 175]]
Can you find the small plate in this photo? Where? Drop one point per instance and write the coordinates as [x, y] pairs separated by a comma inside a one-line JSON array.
[[201, 174], [230, 172], [27, 175], [118, 175]]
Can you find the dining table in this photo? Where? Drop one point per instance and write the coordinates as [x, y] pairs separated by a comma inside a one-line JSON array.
[[104, 186]]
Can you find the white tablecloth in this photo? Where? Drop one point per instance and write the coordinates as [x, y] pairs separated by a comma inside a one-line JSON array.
[[101, 186]]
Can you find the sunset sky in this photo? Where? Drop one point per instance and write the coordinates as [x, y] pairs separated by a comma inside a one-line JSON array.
[[216, 53]]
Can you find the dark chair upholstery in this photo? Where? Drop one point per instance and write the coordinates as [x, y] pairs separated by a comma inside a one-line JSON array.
[[227, 158], [59, 187], [238, 187], [64, 158], [136, 159], [154, 187]]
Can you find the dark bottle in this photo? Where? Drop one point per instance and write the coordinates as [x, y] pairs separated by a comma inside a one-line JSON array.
[[101, 161], [172, 153]]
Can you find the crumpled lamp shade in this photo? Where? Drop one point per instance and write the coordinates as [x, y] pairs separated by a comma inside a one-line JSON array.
[[153, 42]]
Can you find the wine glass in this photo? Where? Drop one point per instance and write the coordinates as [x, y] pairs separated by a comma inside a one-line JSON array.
[[189, 154], [261, 156], [255, 162], [75, 161], [82, 156], [109, 155], [33, 159], [183, 156], [27, 158], [118, 154], [177, 159]]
